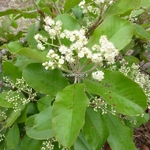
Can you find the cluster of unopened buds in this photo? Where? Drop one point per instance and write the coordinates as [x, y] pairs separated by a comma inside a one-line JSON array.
[[48, 144], [72, 54], [2, 136], [99, 103], [17, 98], [135, 74]]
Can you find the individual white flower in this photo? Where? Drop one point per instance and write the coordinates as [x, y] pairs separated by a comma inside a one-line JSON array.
[[78, 45], [58, 27], [49, 21], [82, 3], [90, 8], [109, 58], [40, 46], [83, 39], [69, 58], [98, 75], [63, 49], [62, 35], [97, 58], [72, 38], [99, 1], [96, 47], [81, 54], [39, 38], [61, 61], [52, 33], [58, 23], [50, 53], [47, 28]]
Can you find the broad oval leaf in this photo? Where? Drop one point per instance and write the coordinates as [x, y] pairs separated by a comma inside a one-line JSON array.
[[123, 6], [81, 143], [39, 56], [13, 117], [119, 91], [30, 144], [44, 102], [145, 4], [14, 47], [68, 113], [11, 70], [117, 30], [140, 31], [68, 22], [94, 130], [10, 139], [39, 126], [70, 4], [120, 136], [44, 81]]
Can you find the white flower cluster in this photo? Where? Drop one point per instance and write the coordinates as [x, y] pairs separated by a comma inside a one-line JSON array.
[[89, 8], [76, 48], [52, 27], [40, 40], [106, 51]]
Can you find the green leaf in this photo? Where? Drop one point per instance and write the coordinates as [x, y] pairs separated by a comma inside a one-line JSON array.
[[70, 4], [44, 102], [14, 47], [81, 143], [39, 126], [123, 6], [78, 13], [120, 136], [145, 4], [14, 24], [23, 61], [34, 54], [12, 138], [68, 113], [117, 30], [6, 25], [30, 36], [68, 22], [44, 81], [94, 130], [3, 102], [23, 116], [131, 59], [140, 31], [119, 91], [25, 14], [13, 117], [13, 71], [30, 144]]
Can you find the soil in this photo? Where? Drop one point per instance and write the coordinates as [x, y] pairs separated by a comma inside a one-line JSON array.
[[141, 134]]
